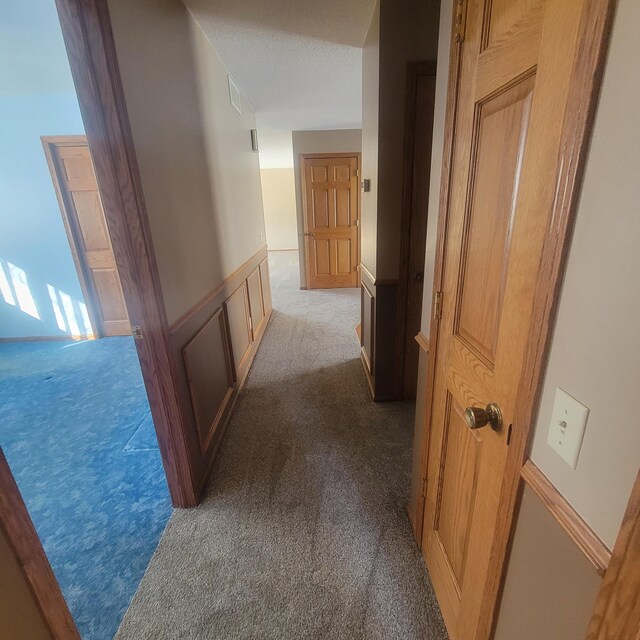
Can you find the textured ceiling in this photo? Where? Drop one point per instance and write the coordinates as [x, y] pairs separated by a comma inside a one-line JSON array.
[[297, 62]]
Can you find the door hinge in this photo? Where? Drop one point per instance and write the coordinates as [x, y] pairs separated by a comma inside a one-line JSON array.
[[437, 305], [136, 332], [357, 222], [460, 20], [424, 486], [356, 173]]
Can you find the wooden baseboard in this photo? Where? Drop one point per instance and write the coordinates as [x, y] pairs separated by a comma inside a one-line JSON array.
[[49, 338], [275, 250], [567, 517]]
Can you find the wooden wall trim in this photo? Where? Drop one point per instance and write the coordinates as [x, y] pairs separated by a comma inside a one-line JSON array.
[[423, 341], [234, 276], [189, 327], [86, 29], [453, 77], [567, 517], [378, 282], [21, 535], [616, 614]]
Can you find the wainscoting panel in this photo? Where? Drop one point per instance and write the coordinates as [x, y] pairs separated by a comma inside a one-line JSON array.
[[378, 328], [213, 348], [239, 318], [256, 302], [265, 279], [367, 324], [209, 369]]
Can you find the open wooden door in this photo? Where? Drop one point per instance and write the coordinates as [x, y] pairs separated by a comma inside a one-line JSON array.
[[524, 90], [32, 604], [80, 203], [331, 218]]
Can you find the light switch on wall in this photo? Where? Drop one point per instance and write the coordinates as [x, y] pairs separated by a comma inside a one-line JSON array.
[[568, 422]]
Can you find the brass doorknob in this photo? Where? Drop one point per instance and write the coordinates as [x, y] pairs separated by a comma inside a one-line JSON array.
[[476, 417]]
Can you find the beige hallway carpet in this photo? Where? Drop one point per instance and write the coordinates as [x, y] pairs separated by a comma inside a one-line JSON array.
[[303, 532]]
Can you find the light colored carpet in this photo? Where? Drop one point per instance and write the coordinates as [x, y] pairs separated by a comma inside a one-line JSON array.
[[303, 533]]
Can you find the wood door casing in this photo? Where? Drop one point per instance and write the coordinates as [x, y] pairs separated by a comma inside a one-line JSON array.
[[331, 218], [81, 206], [420, 111], [513, 86]]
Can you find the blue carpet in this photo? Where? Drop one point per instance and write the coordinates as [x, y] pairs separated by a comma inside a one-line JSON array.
[[76, 429]]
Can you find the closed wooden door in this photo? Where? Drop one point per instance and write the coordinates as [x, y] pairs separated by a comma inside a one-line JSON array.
[[77, 189], [330, 202], [515, 72]]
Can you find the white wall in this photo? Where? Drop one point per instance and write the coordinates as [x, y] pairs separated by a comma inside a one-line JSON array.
[[370, 121], [37, 98], [200, 178], [595, 354], [279, 198]]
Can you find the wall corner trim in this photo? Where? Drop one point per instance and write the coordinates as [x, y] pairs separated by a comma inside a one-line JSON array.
[[423, 342], [567, 517]]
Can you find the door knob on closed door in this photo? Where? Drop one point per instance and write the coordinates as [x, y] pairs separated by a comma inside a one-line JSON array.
[[309, 234], [476, 417]]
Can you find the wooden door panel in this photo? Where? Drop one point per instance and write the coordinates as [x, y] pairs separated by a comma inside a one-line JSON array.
[[460, 457], [501, 134], [93, 227], [320, 208], [110, 296], [322, 252], [507, 17], [342, 172], [319, 172], [344, 256], [343, 207], [331, 218]]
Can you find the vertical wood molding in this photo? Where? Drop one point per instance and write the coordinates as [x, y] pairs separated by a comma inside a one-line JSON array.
[[25, 544], [443, 215], [86, 28], [616, 615]]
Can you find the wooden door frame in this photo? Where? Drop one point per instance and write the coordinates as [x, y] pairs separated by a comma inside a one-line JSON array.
[[414, 71], [86, 29], [303, 187], [616, 614], [70, 226], [18, 529], [586, 79]]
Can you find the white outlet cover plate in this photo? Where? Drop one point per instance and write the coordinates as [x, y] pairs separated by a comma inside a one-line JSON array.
[[567, 441]]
